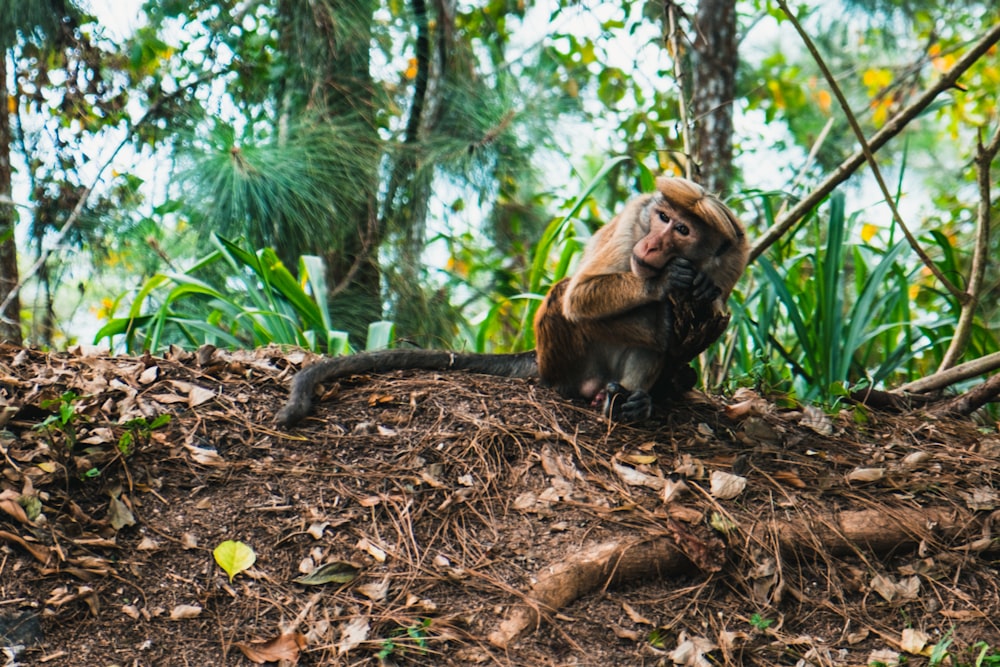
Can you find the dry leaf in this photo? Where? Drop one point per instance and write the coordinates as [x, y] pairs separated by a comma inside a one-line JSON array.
[[914, 459], [149, 375], [633, 477], [376, 399], [884, 657], [283, 648], [372, 550], [635, 616], [866, 474], [183, 611], [639, 459], [725, 486], [39, 552], [673, 489], [815, 419], [334, 572], [690, 651], [204, 456], [376, 591], [9, 504], [981, 498], [790, 478], [353, 633], [119, 515], [316, 529], [199, 395], [913, 641]]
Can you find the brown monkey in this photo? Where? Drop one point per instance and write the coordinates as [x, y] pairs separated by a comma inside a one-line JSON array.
[[610, 333], [648, 297]]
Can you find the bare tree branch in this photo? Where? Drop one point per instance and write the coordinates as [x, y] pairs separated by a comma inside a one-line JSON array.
[[74, 215], [893, 127], [870, 158], [967, 403], [946, 378], [674, 40], [963, 330]]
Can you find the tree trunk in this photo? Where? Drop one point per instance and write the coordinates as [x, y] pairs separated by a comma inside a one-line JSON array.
[[331, 42], [10, 319], [715, 60]]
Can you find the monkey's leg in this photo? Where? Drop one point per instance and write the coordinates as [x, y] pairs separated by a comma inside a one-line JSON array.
[[628, 398]]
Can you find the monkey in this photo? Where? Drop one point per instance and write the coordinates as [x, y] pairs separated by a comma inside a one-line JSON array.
[[648, 296]]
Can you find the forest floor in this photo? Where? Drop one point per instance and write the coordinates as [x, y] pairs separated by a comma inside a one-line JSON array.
[[439, 513]]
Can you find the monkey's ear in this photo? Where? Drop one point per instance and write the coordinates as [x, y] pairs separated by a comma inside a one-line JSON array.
[[723, 248]]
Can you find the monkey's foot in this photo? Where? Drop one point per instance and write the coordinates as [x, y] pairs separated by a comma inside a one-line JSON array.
[[622, 405]]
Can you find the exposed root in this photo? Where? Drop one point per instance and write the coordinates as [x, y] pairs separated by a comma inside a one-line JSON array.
[[569, 578], [610, 563]]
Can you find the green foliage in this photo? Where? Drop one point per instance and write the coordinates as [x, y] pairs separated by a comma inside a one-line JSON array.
[[416, 636], [833, 315], [236, 298], [65, 419], [139, 430], [760, 623]]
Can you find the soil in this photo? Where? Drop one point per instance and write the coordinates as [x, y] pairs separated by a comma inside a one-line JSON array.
[[442, 503]]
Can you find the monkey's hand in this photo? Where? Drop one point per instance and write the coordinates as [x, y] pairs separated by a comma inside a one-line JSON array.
[[682, 276], [622, 405]]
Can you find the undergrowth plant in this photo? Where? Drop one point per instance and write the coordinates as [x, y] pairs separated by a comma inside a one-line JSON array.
[[235, 298], [835, 314]]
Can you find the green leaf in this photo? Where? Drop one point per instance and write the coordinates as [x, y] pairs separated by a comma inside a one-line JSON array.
[[380, 335], [234, 557]]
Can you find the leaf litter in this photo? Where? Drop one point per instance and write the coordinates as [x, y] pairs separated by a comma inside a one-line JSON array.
[[425, 507]]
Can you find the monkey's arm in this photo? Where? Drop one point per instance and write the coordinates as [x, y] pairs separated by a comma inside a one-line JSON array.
[[603, 295]]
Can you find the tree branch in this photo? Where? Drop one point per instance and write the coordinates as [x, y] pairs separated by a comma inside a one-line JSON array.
[[674, 41], [74, 215], [950, 376], [870, 157], [963, 330], [893, 127]]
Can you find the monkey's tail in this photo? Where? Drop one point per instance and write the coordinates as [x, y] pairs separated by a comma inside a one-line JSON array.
[[521, 365]]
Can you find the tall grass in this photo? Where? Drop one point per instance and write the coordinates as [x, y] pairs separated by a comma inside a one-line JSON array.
[[834, 314], [235, 298]]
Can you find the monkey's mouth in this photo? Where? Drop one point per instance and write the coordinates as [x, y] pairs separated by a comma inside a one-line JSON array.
[[644, 269]]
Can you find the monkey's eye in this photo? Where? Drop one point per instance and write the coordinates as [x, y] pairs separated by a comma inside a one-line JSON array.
[[663, 216], [682, 229]]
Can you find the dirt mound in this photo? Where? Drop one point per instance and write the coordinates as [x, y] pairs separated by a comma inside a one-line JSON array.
[[463, 519]]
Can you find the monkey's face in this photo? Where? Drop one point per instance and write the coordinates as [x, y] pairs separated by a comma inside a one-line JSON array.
[[664, 234]]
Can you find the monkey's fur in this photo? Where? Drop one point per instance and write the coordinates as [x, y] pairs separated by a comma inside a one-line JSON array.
[[648, 297]]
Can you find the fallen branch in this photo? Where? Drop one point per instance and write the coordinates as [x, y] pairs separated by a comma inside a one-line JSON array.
[[946, 378], [880, 530], [967, 403]]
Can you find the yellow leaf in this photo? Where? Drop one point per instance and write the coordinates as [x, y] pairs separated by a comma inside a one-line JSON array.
[[234, 557], [877, 78], [11, 104], [824, 100], [868, 232], [779, 98], [411, 70], [881, 111], [914, 291]]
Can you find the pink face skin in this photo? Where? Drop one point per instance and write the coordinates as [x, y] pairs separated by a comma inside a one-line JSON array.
[[667, 237]]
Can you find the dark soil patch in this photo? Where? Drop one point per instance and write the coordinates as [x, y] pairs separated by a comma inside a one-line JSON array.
[[453, 494]]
